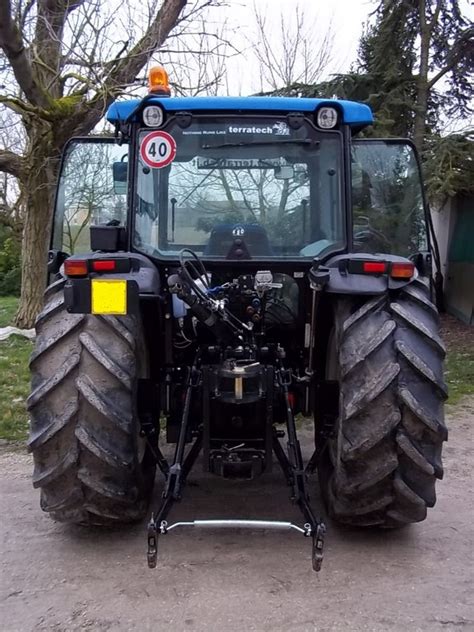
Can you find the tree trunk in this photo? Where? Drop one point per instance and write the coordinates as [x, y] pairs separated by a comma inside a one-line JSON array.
[[422, 81], [37, 188]]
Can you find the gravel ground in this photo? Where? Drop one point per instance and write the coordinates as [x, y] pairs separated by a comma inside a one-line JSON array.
[[60, 578]]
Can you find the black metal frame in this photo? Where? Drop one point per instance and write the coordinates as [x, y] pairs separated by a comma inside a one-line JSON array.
[[291, 462]]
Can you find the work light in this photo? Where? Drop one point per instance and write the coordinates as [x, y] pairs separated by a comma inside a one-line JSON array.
[[326, 118], [153, 116]]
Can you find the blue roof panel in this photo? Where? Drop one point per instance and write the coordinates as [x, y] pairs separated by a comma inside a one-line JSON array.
[[355, 114]]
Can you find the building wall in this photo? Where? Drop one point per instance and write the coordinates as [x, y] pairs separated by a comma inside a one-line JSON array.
[[444, 219], [460, 291], [454, 228]]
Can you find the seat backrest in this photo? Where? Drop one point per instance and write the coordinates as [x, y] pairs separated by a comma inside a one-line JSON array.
[[253, 236]]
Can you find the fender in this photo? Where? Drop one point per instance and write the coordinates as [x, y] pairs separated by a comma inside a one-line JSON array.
[[141, 279], [343, 281]]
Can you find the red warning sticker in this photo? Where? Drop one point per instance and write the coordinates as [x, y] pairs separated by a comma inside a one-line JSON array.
[[158, 149]]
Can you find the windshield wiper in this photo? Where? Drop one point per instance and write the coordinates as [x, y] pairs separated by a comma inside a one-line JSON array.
[[281, 141]]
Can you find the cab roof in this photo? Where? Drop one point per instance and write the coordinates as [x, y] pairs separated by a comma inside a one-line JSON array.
[[354, 114]]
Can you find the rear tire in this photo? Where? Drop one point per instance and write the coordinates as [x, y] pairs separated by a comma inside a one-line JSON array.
[[89, 461], [382, 463]]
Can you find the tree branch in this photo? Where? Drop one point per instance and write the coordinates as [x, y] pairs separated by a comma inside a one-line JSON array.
[[456, 54], [125, 70], [128, 67], [436, 13], [50, 22], [11, 163], [14, 49]]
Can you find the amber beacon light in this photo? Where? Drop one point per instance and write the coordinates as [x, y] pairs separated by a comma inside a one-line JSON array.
[[158, 82]]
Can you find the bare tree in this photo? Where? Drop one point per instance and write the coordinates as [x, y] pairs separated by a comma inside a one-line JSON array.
[[290, 49], [198, 59], [67, 60]]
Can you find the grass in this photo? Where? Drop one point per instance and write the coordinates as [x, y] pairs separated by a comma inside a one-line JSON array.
[[459, 374], [14, 387], [459, 365], [15, 377], [8, 306]]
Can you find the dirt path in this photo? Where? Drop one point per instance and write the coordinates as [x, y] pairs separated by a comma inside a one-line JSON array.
[[59, 578]]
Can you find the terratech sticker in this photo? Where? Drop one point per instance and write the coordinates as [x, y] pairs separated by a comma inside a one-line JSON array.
[[280, 128], [158, 149], [277, 129]]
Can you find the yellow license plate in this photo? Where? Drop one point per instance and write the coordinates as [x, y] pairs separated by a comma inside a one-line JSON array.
[[109, 296]]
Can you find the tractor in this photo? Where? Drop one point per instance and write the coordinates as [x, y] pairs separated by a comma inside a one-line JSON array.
[[220, 267]]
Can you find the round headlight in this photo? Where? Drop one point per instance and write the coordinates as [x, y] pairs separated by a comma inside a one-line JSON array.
[[326, 118], [153, 116]]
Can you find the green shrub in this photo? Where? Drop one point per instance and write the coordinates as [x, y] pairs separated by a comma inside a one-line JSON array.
[[10, 262], [10, 285]]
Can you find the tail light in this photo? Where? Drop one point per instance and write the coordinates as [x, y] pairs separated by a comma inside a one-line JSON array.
[[396, 270], [82, 267], [374, 267], [76, 267], [359, 266], [402, 270], [105, 265]]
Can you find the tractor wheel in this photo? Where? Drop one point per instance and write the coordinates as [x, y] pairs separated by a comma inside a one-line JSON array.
[[385, 456], [89, 461]]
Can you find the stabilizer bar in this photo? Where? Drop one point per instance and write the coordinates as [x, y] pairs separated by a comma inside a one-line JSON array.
[[238, 524]]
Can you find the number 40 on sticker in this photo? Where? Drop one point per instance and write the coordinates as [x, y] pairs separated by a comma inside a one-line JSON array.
[[158, 149]]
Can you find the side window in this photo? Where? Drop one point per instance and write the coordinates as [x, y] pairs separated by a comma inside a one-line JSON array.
[[387, 199], [92, 190]]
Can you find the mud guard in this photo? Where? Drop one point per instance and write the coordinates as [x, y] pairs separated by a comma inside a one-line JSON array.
[[341, 281], [115, 293]]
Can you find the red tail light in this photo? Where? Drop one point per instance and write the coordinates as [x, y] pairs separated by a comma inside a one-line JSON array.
[[76, 267], [402, 270], [106, 265], [374, 267]]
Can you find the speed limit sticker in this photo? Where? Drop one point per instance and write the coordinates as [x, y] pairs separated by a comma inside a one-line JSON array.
[[158, 149]]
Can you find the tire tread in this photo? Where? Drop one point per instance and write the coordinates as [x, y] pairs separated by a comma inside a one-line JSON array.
[[386, 453], [83, 419]]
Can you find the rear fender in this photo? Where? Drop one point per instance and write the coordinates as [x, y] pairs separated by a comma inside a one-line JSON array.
[[140, 275], [343, 282]]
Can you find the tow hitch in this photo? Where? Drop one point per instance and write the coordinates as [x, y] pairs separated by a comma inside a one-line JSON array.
[[291, 462]]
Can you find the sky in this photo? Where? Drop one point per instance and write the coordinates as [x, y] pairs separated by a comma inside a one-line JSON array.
[[344, 17]]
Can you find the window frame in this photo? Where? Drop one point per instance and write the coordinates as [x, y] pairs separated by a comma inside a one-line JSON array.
[[429, 230], [78, 140], [331, 250]]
